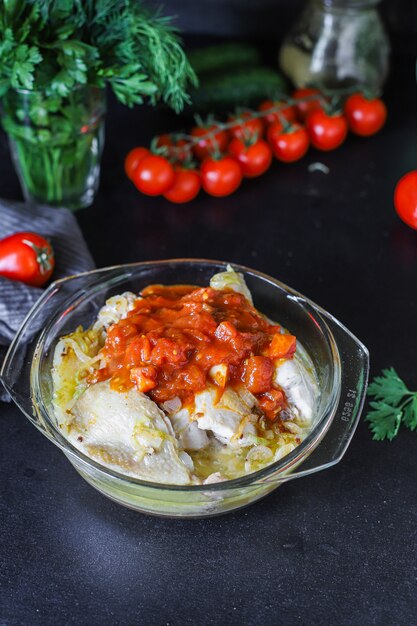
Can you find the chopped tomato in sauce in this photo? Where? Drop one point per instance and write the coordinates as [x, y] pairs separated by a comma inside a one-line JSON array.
[[168, 343]]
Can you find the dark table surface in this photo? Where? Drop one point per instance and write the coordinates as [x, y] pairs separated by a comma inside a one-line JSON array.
[[338, 547]]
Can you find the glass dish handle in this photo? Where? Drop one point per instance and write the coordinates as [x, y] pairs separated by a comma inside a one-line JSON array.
[[354, 358]]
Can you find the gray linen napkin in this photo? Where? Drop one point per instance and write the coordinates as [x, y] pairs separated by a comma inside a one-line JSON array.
[[71, 257]]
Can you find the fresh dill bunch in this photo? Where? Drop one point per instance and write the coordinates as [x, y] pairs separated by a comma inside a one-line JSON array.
[[55, 45], [394, 404]]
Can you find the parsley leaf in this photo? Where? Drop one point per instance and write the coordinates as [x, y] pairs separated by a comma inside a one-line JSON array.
[[388, 387], [384, 420], [410, 413], [393, 404]]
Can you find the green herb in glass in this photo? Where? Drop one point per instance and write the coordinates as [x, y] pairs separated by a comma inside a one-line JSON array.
[[56, 57]]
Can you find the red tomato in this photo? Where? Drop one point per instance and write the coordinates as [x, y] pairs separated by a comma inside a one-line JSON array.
[[186, 186], [305, 108], [257, 374], [405, 199], [282, 346], [271, 403], [288, 113], [132, 160], [288, 146], [209, 145], [221, 177], [254, 159], [26, 257], [174, 147], [327, 132], [365, 117], [247, 127], [144, 377], [154, 175]]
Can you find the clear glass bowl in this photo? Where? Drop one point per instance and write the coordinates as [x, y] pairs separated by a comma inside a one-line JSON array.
[[341, 362]]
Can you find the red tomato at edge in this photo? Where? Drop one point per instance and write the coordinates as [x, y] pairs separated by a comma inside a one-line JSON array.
[[26, 257], [405, 199]]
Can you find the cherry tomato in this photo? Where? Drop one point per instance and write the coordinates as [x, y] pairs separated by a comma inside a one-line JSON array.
[[257, 374], [247, 127], [27, 257], [365, 117], [132, 160], [405, 199], [327, 132], [254, 159], [207, 147], [174, 147], [288, 113], [154, 175], [305, 108], [186, 186], [221, 177], [288, 146]]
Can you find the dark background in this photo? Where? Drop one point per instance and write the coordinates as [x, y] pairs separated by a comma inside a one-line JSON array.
[[268, 18], [336, 548]]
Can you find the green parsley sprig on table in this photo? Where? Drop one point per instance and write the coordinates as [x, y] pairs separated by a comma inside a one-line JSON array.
[[394, 404], [54, 45]]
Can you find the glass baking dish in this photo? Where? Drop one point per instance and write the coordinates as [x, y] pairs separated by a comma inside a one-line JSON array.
[[341, 362]]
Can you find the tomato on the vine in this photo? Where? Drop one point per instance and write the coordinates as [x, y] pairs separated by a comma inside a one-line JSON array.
[[287, 113], [173, 147], [186, 186], [247, 127], [133, 159], [154, 175], [305, 107], [365, 117], [207, 146], [254, 159], [288, 145], [221, 177], [327, 132], [405, 199], [26, 257]]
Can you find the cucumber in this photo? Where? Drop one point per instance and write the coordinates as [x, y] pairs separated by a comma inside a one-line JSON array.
[[240, 87], [222, 56]]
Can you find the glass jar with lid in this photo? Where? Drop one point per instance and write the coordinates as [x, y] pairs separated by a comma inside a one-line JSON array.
[[337, 44]]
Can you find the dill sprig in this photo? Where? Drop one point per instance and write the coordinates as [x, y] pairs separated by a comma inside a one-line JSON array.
[[394, 404], [54, 45]]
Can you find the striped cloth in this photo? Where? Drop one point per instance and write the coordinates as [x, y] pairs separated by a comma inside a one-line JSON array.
[[71, 257]]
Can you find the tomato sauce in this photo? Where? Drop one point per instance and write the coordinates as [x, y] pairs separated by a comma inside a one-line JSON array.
[[167, 345]]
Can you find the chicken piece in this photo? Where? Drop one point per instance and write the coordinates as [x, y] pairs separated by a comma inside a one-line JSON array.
[[127, 431], [299, 386], [189, 435], [229, 417]]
